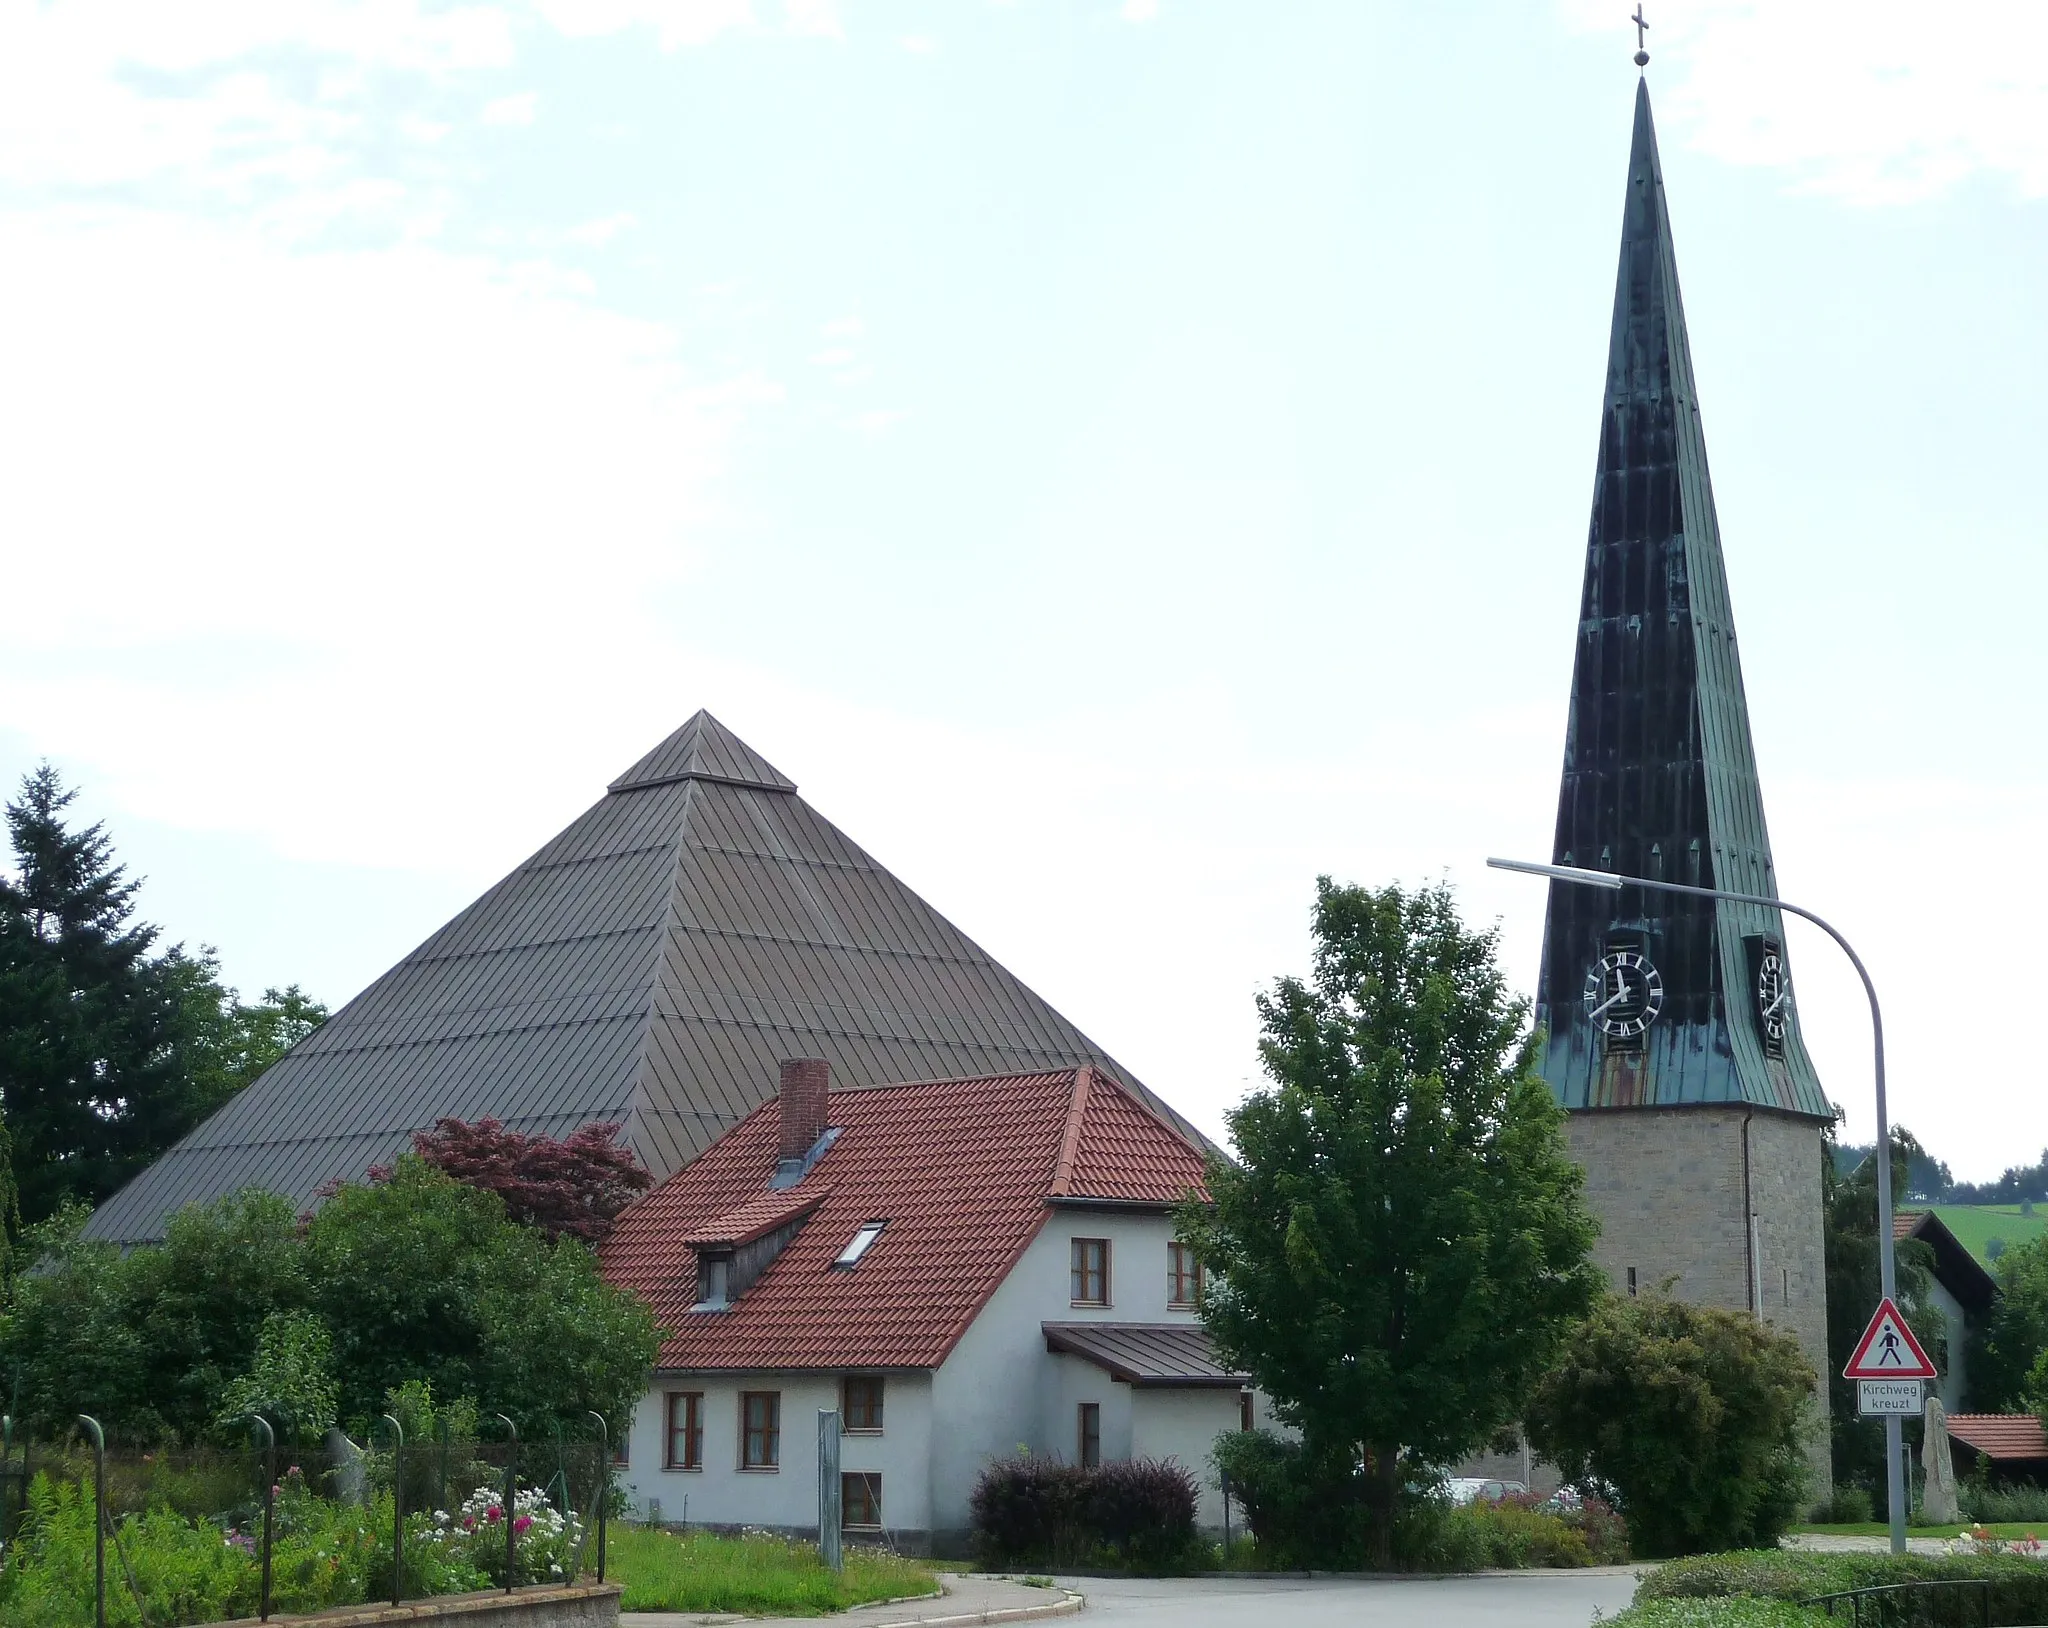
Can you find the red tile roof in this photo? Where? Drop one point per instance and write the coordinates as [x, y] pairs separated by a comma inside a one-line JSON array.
[[2000, 1435], [756, 1218], [962, 1171]]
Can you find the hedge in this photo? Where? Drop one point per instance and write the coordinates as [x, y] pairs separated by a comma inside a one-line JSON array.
[[2018, 1586], [1038, 1511]]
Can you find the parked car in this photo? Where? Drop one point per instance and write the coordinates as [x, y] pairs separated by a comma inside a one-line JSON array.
[[1465, 1489]]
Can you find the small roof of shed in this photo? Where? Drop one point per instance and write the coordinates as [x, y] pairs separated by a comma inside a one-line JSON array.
[[2014, 1436], [650, 966], [1146, 1354]]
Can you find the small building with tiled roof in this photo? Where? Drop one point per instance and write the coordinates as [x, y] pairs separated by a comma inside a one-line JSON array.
[[1963, 1292], [962, 1269], [2011, 1446]]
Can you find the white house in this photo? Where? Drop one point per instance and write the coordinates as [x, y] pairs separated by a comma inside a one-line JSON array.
[[963, 1269]]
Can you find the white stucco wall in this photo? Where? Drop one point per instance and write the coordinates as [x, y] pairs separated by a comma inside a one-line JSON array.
[[723, 1494], [1000, 1389], [1954, 1388], [1184, 1425]]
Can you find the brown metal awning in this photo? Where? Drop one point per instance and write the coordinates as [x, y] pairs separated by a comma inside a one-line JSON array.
[[1146, 1354]]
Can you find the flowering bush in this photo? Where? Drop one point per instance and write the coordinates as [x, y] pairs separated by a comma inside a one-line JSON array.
[[1981, 1540], [544, 1541]]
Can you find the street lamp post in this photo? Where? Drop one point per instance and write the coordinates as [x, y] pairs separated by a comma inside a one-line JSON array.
[[1894, 1468]]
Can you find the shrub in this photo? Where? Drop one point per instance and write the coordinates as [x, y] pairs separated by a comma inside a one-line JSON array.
[[2018, 1586], [2006, 1503], [1143, 1511], [1694, 1416], [1027, 1509], [1737, 1611], [1306, 1506], [1512, 1534], [1138, 1513], [1850, 1506]]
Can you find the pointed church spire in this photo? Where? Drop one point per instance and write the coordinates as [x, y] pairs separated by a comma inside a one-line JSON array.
[[1659, 772]]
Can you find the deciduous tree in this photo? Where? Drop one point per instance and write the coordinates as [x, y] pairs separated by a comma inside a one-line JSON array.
[[1691, 1415], [573, 1188], [1404, 1243]]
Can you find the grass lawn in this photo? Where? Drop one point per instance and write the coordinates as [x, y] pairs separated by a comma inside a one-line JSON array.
[[1975, 1225], [767, 1576], [1878, 1529]]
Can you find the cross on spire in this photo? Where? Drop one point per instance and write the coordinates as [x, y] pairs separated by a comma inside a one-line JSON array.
[[1642, 56]]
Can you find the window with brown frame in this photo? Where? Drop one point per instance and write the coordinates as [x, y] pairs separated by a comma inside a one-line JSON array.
[[1183, 1275], [685, 1431], [860, 1499], [760, 1430], [1090, 1434], [860, 1404], [1244, 1410], [1089, 1273]]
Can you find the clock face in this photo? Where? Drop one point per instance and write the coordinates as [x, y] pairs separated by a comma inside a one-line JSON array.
[[1773, 996], [1624, 994]]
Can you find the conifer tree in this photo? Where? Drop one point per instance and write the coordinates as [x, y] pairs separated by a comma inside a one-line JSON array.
[[110, 1049]]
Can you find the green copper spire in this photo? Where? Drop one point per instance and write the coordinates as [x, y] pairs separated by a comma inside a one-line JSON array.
[[1653, 999]]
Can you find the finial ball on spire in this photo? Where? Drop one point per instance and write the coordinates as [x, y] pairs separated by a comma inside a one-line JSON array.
[[1642, 59], [1642, 56]]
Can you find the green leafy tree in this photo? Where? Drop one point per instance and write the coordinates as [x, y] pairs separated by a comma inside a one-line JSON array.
[[421, 1276], [2009, 1348], [1693, 1417], [291, 1382], [1849, 1251], [418, 1278], [1404, 1244]]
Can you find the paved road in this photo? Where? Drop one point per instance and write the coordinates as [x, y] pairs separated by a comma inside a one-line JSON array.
[[1530, 1599]]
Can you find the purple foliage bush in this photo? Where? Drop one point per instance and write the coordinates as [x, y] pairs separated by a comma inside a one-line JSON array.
[[1038, 1511]]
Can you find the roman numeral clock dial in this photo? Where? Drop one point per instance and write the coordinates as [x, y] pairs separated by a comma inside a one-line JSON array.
[[1624, 994], [1773, 997]]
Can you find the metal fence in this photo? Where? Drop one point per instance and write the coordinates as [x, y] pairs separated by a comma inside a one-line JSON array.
[[440, 1489]]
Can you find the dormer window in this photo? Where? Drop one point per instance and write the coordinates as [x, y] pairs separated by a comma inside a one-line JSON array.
[[860, 1243], [714, 1280]]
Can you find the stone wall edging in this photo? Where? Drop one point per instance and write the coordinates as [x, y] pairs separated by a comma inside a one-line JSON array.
[[570, 1605]]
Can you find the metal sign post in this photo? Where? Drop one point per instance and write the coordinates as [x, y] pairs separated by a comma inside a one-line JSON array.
[[829, 1513]]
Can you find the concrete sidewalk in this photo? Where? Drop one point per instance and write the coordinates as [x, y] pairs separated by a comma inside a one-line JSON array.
[[967, 1600]]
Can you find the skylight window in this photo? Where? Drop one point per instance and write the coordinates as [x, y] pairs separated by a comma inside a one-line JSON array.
[[860, 1243]]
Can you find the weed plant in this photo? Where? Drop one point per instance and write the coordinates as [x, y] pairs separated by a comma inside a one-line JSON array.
[[756, 1573]]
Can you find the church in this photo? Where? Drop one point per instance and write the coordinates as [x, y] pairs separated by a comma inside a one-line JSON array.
[[1673, 1034]]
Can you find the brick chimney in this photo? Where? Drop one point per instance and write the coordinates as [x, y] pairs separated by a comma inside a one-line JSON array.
[[805, 1082]]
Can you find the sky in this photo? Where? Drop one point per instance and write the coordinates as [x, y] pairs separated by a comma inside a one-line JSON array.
[[1121, 458]]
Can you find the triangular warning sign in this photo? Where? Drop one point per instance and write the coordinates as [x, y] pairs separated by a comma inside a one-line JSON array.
[[1888, 1349]]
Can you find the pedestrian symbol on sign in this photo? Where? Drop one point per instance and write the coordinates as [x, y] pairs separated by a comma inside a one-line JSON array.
[[1888, 1349]]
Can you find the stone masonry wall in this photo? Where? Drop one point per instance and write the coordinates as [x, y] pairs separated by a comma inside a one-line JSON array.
[[1667, 1185]]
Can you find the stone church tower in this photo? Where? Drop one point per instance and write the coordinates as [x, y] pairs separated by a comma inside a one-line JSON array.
[[1673, 1038]]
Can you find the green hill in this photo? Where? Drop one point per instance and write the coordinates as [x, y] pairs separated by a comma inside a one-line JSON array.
[[1975, 1225]]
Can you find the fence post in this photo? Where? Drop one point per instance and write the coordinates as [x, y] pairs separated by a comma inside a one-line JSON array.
[[99, 1521], [441, 1475], [511, 1501], [269, 1496], [604, 1483], [829, 1512], [397, 1507]]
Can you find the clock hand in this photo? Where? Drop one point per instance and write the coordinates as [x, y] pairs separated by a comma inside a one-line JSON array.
[[1620, 994], [1783, 995]]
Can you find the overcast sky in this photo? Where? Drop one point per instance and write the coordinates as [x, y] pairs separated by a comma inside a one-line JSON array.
[[1120, 457]]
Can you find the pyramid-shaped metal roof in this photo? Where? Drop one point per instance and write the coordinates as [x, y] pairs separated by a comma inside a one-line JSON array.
[[651, 965], [1660, 774]]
